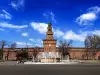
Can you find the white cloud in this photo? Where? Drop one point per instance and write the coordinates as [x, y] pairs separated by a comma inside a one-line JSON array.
[[95, 9], [53, 17], [89, 17], [31, 39], [40, 27], [37, 42], [58, 33], [7, 25], [45, 15], [24, 34], [38, 45], [18, 30], [70, 35], [23, 44], [50, 16], [86, 19], [5, 15], [96, 32], [17, 4], [1, 29]]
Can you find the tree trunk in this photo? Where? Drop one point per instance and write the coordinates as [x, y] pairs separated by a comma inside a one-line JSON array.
[[2, 53], [8, 54]]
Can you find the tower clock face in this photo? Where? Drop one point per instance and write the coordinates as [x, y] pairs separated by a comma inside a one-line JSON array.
[[49, 37]]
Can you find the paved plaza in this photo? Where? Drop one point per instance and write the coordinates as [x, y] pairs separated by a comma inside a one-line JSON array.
[[76, 69]]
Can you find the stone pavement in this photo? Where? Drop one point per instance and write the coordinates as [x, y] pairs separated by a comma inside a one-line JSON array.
[[78, 69], [9, 63], [83, 62]]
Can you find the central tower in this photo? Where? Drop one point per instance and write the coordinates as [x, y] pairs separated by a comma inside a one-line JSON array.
[[49, 43], [49, 54]]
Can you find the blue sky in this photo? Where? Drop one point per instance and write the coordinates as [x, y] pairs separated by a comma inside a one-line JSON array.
[[25, 21]]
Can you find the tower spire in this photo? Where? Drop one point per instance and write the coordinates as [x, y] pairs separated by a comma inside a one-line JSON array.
[[49, 32]]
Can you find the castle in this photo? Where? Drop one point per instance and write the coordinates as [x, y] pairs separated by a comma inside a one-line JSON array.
[[50, 51]]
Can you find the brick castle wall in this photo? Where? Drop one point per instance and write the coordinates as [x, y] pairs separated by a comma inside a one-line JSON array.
[[75, 53]]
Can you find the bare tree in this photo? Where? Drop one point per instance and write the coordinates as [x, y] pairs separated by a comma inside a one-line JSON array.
[[87, 46], [92, 42], [35, 52], [22, 55], [11, 46], [64, 47], [3, 43]]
